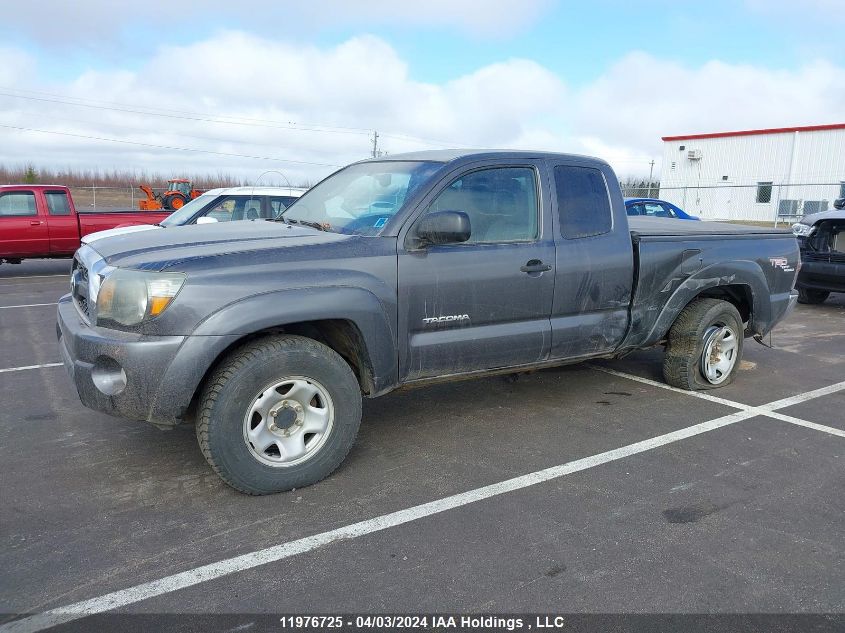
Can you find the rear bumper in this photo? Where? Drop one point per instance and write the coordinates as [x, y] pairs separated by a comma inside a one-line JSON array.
[[130, 375], [829, 276], [793, 300]]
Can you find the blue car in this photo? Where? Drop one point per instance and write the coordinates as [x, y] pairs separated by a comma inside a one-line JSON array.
[[654, 208]]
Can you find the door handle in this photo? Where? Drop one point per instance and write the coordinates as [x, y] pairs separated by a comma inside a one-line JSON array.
[[535, 266], [35, 222]]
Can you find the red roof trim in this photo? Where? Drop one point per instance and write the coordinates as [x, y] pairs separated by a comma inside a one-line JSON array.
[[773, 130]]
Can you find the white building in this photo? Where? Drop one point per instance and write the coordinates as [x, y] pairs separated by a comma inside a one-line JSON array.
[[755, 174]]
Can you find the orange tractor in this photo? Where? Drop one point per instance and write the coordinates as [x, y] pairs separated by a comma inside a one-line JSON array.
[[179, 191]]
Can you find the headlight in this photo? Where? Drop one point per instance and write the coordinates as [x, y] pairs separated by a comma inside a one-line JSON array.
[[802, 230], [129, 297]]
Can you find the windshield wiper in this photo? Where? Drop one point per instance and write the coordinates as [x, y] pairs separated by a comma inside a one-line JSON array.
[[313, 225]]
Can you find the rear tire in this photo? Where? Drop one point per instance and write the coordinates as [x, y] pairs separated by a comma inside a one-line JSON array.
[[805, 295], [281, 412], [175, 202], [705, 346]]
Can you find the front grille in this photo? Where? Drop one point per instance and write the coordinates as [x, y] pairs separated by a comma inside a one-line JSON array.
[[79, 286]]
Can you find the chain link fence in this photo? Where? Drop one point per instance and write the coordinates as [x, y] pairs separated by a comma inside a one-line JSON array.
[[759, 202], [97, 198]]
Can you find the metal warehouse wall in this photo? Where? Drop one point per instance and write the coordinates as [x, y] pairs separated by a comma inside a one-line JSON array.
[[806, 169]]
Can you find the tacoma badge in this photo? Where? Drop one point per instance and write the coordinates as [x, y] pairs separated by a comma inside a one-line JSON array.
[[446, 319]]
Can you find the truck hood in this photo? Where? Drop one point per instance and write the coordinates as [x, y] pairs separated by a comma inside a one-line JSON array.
[[121, 230], [831, 214], [157, 250]]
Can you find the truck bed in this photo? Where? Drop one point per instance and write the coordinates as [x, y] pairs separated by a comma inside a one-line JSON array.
[[678, 259], [665, 227]]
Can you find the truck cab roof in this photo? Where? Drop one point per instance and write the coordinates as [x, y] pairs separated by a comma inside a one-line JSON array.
[[451, 155], [33, 187]]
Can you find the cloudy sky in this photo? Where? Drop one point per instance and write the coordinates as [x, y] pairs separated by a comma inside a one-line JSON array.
[[244, 87]]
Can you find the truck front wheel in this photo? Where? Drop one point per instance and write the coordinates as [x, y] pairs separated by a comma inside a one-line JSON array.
[[705, 346], [279, 413]]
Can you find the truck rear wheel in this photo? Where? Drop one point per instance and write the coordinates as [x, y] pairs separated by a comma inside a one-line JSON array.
[[805, 295], [281, 412], [705, 346]]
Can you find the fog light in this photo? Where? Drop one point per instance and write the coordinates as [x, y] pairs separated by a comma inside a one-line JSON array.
[[108, 376]]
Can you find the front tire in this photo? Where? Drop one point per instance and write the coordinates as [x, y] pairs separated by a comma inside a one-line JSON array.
[[705, 346], [805, 295], [279, 413]]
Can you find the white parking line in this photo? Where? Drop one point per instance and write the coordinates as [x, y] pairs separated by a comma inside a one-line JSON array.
[[806, 423], [198, 575], [29, 367], [29, 305], [768, 410], [144, 591], [648, 381], [35, 276]]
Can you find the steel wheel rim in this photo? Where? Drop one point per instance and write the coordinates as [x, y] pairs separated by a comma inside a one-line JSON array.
[[288, 422], [720, 353]]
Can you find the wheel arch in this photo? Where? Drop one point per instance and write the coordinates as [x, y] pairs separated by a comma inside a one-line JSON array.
[[351, 321], [741, 283]]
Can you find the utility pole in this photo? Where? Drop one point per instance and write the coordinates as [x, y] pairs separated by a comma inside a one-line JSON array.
[[375, 143], [650, 172]]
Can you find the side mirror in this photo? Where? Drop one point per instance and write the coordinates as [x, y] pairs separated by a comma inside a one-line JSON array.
[[206, 220], [444, 227], [839, 203]]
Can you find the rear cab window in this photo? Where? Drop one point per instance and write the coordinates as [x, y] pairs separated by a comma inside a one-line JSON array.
[[57, 203], [583, 201]]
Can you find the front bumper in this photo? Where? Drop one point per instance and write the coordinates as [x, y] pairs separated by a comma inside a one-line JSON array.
[[119, 373], [829, 276]]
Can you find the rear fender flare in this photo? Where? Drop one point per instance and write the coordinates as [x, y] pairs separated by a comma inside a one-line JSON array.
[[736, 273]]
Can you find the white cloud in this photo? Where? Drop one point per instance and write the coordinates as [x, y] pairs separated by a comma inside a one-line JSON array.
[[364, 84], [15, 66], [94, 24], [360, 84], [641, 98]]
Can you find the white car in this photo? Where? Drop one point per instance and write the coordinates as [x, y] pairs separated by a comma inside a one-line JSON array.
[[219, 205]]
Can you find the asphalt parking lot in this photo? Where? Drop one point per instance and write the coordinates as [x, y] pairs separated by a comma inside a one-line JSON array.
[[570, 490]]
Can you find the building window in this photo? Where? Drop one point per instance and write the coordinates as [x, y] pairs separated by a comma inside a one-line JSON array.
[[764, 192], [842, 189]]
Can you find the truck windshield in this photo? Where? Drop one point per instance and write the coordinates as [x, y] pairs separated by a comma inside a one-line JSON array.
[[177, 218], [361, 198]]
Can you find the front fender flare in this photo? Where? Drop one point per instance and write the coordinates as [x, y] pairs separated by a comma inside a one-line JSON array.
[[283, 307]]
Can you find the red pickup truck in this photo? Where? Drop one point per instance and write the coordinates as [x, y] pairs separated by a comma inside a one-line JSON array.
[[41, 221]]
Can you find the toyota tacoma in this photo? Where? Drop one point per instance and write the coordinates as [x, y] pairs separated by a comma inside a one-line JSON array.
[[398, 272]]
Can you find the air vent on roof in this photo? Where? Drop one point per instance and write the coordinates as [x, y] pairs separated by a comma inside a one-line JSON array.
[[694, 154]]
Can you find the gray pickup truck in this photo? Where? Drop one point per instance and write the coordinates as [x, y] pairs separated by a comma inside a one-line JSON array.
[[395, 272]]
